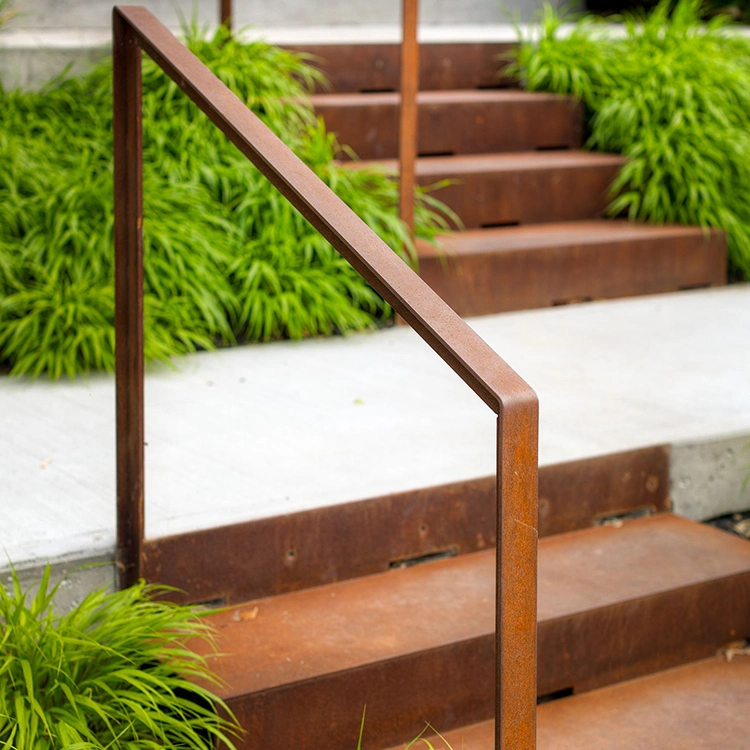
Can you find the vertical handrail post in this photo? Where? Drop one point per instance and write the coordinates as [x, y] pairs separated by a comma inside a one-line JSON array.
[[408, 111], [225, 13], [128, 231], [516, 576]]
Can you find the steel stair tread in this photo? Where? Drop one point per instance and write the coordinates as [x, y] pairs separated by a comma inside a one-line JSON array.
[[454, 122], [553, 234], [466, 164], [302, 635], [699, 706]]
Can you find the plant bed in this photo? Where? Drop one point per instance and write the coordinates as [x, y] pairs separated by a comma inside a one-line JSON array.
[[114, 672], [672, 95], [227, 259]]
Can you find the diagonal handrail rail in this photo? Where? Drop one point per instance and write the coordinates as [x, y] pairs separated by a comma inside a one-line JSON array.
[[135, 30]]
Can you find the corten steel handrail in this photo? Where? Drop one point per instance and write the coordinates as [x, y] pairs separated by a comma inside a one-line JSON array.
[[408, 113], [136, 30]]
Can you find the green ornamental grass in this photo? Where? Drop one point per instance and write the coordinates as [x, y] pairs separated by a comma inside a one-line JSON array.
[[672, 95], [112, 673], [227, 260]]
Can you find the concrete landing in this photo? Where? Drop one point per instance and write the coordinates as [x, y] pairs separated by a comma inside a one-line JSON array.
[[261, 430]]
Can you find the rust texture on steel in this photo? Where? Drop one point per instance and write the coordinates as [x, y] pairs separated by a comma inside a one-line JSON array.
[[442, 66], [674, 709], [454, 122], [543, 265], [538, 187], [664, 591], [515, 403], [286, 553], [407, 140]]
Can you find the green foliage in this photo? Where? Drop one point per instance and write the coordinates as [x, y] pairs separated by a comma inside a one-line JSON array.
[[227, 260], [113, 673], [673, 95]]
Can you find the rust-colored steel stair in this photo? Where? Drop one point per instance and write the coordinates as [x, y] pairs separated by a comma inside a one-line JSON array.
[[414, 644], [511, 163], [371, 606], [700, 706], [557, 263], [527, 187], [454, 122]]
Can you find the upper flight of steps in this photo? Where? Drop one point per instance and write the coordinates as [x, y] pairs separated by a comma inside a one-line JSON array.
[[529, 198], [389, 604]]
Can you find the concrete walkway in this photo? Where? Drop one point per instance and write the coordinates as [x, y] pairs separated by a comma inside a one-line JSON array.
[[261, 430]]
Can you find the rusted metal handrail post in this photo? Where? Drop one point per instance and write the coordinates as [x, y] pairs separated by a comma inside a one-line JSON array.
[[128, 152], [501, 388], [408, 114], [225, 13], [516, 577]]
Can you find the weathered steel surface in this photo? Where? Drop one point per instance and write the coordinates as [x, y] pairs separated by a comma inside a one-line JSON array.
[[225, 13], [287, 553], [407, 130], [375, 67], [576, 494], [455, 122], [698, 706], [524, 188], [418, 644], [454, 341], [479, 272], [128, 203]]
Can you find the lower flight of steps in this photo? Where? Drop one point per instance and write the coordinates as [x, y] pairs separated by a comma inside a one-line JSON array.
[[700, 706], [638, 592]]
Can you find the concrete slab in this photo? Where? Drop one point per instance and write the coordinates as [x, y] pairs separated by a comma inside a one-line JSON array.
[[261, 430], [710, 479]]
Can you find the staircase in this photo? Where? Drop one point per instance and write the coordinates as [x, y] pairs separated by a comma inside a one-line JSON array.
[[389, 603], [529, 199], [634, 604]]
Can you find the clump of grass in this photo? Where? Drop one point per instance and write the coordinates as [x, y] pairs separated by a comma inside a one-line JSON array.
[[419, 740], [227, 260], [672, 95], [112, 673]]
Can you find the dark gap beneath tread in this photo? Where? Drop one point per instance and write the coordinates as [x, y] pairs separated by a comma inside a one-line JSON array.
[[431, 557], [554, 696], [571, 301], [617, 519], [428, 154], [495, 225]]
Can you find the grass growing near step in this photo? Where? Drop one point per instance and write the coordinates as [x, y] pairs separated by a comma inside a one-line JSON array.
[[418, 741], [227, 260], [673, 96], [112, 673]]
